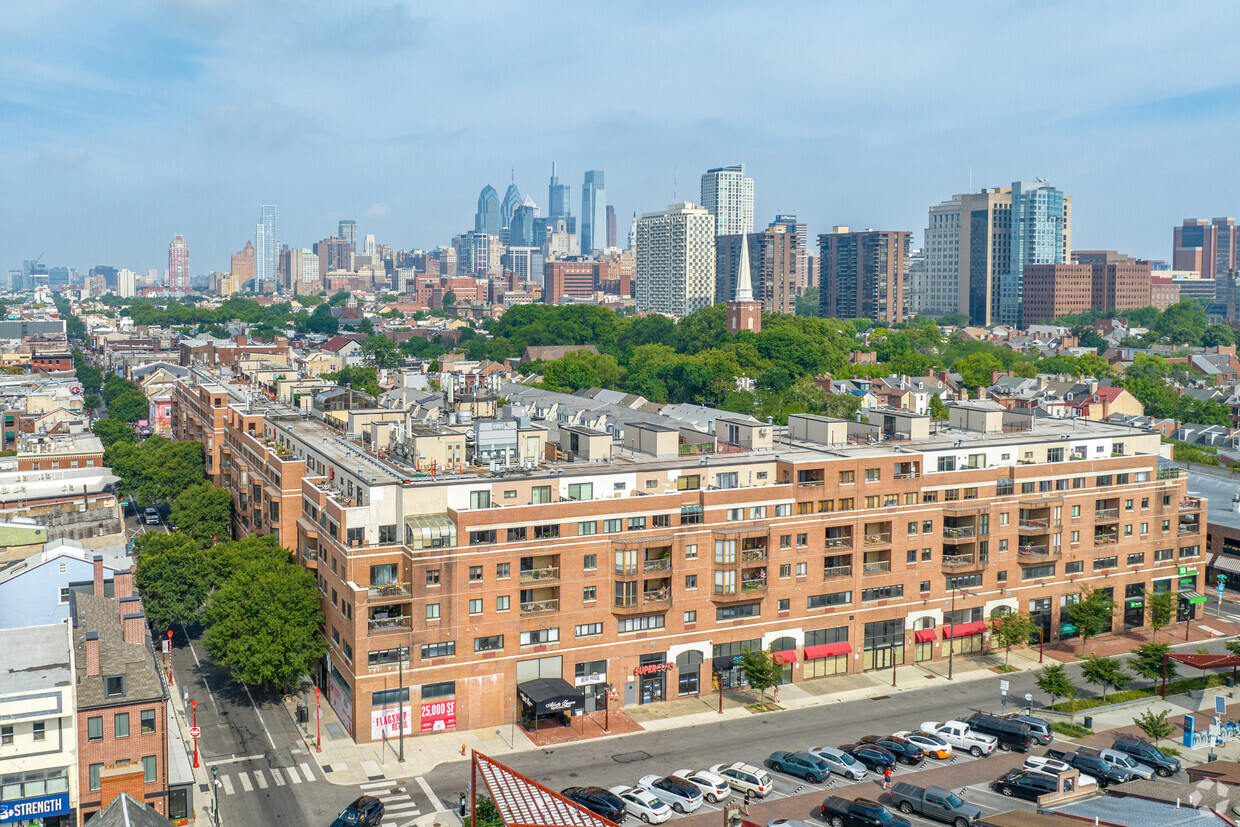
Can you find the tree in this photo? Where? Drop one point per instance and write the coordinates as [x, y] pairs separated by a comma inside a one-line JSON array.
[[1011, 630], [1158, 608], [382, 352], [130, 406], [322, 321], [1092, 613], [843, 405], [1104, 672], [807, 302], [259, 646], [449, 299], [761, 670], [366, 327], [1155, 724], [954, 320], [204, 512], [110, 431], [91, 401], [938, 410], [976, 370], [1147, 661], [173, 577], [1054, 681], [1218, 334]]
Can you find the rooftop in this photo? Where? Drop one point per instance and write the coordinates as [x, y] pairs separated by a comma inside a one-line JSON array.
[[35, 657], [134, 661], [1219, 492]]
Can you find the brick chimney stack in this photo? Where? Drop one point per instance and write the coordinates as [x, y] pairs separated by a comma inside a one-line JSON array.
[[122, 584], [98, 579], [92, 653], [135, 628]]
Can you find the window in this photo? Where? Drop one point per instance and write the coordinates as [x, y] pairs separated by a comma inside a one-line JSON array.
[[1034, 572], [479, 499], [725, 551], [872, 475], [613, 526], [882, 592], [1190, 551], [1162, 555], [150, 767], [446, 689], [757, 512], [1054, 454], [93, 775], [640, 624], [848, 477], [540, 637], [543, 532], [501, 603], [492, 643], [389, 697], [432, 577], [735, 514], [964, 581], [691, 551], [930, 497], [589, 593], [120, 725], [1136, 559], [690, 617], [661, 521], [1128, 530], [688, 482], [911, 557], [1003, 545], [802, 569], [510, 493], [1166, 526], [586, 528], [540, 494], [819, 601], [737, 612], [114, 686], [691, 514], [912, 529], [785, 571], [1001, 577], [947, 463], [6, 735], [802, 540], [1075, 537], [927, 554], [977, 460], [581, 490], [783, 510], [725, 582], [387, 534], [873, 502], [589, 629], [1145, 529], [446, 649], [516, 535], [481, 538], [784, 604], [1128, 505], [432, 611], [475, 606], [502, 570], [785, 541], [925, 586], [64, 595], [1074, 567], [39, 731], [723, 481], [846, 504], [1145, 501], [690, 581]]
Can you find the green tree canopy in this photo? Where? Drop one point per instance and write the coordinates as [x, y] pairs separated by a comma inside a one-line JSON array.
[[1154, 724], [1104, 672], [111, 431], [130, 406], [1054, 681], [1147, 661], [1012, 629], [1092, 613], [761, 670], [204, 512], [173, 576]]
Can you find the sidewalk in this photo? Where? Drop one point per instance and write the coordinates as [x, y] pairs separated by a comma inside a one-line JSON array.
[[1121, 643]]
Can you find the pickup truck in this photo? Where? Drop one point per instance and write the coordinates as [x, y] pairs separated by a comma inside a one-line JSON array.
[[961, 737], [934, 802], [840, 812], [1090, 762]]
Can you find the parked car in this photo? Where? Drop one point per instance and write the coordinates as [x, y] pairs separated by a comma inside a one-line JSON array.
[[840, 762], [746, 778], [931, 745], [801, 764], [1089, 761], [905, 751], [1124, 761], [366, 811], [714, 787], [840, 812], [1022, 784], [1011, 734], [961, 737], [598, 801], [1039, 728], [873, 757], [642, 803], [934, 802], [681, 793], [1147, 754], [150, 516], [1052, 767]]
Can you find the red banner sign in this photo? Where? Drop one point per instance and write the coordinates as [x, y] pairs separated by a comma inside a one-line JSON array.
[[438, 715], [654, 668]]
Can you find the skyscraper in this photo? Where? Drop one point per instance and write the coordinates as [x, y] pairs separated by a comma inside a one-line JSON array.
[[728, 194], [611, 227], [267, 263], [348, 231], [937, 287], [178, 265], [1207, 247], [1041, 234], [242, 268], [863, 274], [593, 212], [369, 247], [521, 230], [512, 200], [676, 260], [559, 200], [260, 256], [486, 219]]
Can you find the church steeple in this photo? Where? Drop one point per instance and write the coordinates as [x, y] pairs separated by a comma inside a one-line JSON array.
[[743, 312], [744, 284]]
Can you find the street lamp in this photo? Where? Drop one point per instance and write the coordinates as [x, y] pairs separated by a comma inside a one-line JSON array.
[[215, 790], [194, 731], [318, 723]]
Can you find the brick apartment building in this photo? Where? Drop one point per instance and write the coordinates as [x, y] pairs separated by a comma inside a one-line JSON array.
[[845, 547], [1097, 280]]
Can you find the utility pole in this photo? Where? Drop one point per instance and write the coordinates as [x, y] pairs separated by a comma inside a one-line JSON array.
[[951, 649]]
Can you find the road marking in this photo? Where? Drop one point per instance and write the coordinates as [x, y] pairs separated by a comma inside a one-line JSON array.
[[235, 759], [198, 663], [244, 778], [261, 722], [397, 800], [377, 785], [227, 782], [275, 774], [292, 775], [426, 788], [400, 809], [305, 768], [260, 780]]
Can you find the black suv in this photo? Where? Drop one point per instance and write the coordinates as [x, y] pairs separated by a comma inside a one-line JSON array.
[[598, 801], [906, 752], [1027, 785], [1012, 734], [1148, 754], [367, 811]]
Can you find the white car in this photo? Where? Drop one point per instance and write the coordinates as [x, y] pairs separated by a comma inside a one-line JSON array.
[[714, 787], [681, 793], [958, 734], [931, 745], [840, 762], [746, 778], [644, 804], [1052, 767]]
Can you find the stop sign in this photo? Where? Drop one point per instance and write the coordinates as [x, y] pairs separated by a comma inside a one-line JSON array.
[[194, 732]]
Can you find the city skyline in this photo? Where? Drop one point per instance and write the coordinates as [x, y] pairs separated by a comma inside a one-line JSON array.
[[120, 149]]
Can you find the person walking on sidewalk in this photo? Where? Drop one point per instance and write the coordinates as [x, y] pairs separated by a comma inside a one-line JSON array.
[[887, 777], [745, 805]]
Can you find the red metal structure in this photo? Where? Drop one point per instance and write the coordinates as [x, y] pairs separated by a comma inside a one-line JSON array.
[[523, 802]]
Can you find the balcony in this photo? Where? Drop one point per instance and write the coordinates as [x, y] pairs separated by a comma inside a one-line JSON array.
[[1190, 528], [751, 585], [878, 539], [387, 625], [1030, 554], [545, 573], [876, 567], [843, 541], [1105, 539], [962, 562], [1106, 514], [753, 555], [958, 532], [534, 607], [832, 572], [1034, 526], [662, 564], [658, 597], [1190, 503], [388, 593]]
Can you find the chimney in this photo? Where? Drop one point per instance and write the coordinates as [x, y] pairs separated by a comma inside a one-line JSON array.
[[92, 653], [98, 584], [122, 584], [135, 628]]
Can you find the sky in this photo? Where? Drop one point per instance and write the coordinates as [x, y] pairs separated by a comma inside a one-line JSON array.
[[123, 124]]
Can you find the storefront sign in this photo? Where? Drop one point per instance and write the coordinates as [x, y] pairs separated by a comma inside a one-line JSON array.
[[592, 678], [386, 723], [654, 668], [555, 706], [438, 715], [29, 809]]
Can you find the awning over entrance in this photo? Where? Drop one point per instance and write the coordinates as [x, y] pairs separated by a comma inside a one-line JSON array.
[[923, 635], [546, 696], [1227, 563], [1191, 596], [964, 629], [827, 650], [785, 657]]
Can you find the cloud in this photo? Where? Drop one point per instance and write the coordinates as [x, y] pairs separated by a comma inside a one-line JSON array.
[[261, 121], [62, 156], [378, 210]]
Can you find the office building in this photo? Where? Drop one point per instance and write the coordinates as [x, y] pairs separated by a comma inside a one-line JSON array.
[[1120, 282], [334, 254], [935, 288], [304, 272], [1041, 233], [522, 232], [1101, 280], [778, 262], [1207, 247], [566, 280], [507, 207], [525, 263], [1164, 292], [347, 229], [369, 248], [126, 283], [266, 251], [559, 199], [676, 260], [593, 212], [864, 274], [727, 194], [178, 265], [486, 219], [244, 267], [611, 227]]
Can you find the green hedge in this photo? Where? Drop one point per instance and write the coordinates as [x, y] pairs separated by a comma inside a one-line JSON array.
[[1174, 688], [1073, 730]]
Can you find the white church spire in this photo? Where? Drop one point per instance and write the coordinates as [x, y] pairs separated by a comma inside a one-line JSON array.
[[744, 284]]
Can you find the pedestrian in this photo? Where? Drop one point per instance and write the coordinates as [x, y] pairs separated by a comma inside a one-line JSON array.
[[887, 777], [745, 805]]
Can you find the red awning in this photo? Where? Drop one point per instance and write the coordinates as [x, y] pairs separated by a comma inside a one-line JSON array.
[[964, 629], [827, 650], [922, 635], [789, 656]]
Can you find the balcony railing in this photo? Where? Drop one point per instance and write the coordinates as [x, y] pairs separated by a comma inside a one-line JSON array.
[[907, 475], [753, 584], [958, 532], [538, 606], [378, 626], [1190, 504], [839, 542], [836, 571], [1106, 514], [545, 573], [1034, 525], [1036, 554], [1105, 539], [957, 561], [1190, 528], [879, 539], [389, 591], [810, 483], [1030, 550], [662, 564], [875, 567], [751, 555], [659, 596]]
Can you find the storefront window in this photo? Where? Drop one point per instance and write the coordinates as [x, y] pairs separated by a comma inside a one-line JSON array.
[[653, 678], [688, 669]]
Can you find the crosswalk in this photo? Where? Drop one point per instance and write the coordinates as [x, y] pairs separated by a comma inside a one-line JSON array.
[[399, 807], [249, 780]]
